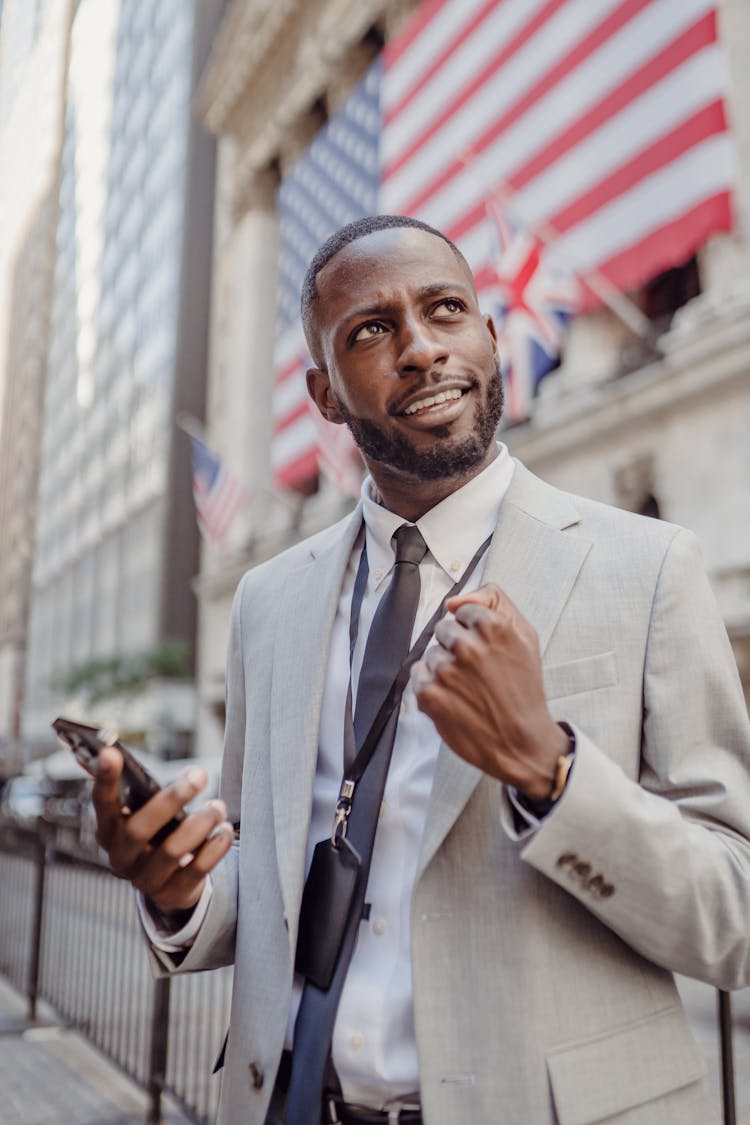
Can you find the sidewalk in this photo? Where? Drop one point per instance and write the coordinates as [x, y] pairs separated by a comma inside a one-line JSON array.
[[52, 1076]]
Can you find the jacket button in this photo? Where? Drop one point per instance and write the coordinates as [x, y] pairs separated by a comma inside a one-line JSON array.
[[567, 859], [256, 1076], [598, 886]]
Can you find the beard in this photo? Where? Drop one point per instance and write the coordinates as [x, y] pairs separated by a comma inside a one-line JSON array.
[[445, 458]]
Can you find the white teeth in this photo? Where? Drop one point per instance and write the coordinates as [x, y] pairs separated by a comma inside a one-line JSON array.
[[432, 400]]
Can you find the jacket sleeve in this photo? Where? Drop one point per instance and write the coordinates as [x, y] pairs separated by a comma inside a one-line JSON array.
[[664, 861], [213, 945]]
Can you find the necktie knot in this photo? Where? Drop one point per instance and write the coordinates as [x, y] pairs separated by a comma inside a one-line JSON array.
[[410, 546]]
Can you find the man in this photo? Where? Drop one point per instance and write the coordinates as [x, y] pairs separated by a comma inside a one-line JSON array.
[[533, 885]]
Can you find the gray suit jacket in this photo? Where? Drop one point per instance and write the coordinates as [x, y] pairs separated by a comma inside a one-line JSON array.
[[543, 987]]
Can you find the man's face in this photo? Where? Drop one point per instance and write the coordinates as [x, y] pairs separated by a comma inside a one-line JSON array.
[[409, 362]]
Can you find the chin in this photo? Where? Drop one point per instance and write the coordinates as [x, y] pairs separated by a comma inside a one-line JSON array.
[[442, 454]]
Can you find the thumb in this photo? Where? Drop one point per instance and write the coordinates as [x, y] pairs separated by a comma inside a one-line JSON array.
[[488, 595]]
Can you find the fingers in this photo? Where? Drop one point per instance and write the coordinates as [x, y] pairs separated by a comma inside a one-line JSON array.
[[179, 865], [492, 614], [143, 825], [106, 795], [129, 838]]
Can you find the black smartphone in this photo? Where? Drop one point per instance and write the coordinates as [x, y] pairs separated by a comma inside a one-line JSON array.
[[136, 784]]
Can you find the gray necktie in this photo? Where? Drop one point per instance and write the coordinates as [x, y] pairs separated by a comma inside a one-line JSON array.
[[387, 647]]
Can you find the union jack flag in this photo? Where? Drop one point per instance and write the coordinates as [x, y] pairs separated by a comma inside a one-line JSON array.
[[531, 299]]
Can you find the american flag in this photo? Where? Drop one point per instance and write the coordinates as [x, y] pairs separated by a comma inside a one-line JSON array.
[[218, 494], [603, 121]]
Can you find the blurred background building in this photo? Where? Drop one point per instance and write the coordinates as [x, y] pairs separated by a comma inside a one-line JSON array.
[[108, 315], [34, 39], [139, 280]]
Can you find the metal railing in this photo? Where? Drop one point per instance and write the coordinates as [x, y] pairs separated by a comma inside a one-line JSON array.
[[69, 935]]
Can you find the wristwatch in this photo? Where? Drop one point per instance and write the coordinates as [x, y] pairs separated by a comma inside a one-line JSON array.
[[540, 808]]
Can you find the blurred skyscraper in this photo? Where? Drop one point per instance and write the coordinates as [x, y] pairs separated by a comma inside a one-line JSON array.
[[34, 38], [116, 542]]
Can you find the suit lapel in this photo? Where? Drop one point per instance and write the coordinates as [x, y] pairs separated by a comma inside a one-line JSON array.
[[536, 564], [307, 610]]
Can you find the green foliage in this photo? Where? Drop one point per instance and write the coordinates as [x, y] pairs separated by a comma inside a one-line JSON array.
[[110, 676]]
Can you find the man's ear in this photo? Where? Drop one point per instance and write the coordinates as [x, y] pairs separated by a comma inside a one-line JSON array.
[[319, 390], [491, 329]]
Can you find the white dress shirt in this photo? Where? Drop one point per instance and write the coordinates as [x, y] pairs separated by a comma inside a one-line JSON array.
[[374, 1042]]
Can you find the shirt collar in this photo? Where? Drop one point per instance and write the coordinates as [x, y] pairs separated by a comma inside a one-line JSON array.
[[453, 530]]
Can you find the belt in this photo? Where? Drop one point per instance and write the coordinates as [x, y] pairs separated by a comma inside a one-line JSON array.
[[338, 1112]]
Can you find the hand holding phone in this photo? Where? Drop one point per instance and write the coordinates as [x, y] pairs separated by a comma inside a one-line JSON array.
[[148, 836], [135, 785]]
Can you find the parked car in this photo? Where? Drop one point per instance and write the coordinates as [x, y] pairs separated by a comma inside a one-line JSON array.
[[22, 799]]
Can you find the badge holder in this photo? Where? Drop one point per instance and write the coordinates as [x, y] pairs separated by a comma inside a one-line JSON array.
[[328, 899]]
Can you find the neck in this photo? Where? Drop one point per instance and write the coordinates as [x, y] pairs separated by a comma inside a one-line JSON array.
[[410, 497]]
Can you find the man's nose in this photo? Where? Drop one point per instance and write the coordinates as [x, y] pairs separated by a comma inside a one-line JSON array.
[[419, 347]]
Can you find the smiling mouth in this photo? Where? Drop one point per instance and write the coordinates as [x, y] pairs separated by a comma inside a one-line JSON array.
[[433, 401]]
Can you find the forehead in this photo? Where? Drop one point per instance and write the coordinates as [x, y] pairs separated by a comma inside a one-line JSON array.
[[383, 267]]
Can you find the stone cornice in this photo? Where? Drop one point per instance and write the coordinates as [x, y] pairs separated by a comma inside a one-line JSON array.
[[270, 62], [248, 32]]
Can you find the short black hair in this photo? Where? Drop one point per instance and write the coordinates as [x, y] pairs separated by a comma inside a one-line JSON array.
[[360, 228]]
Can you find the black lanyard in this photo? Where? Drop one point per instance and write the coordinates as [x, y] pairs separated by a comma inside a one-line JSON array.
[[356, 763]]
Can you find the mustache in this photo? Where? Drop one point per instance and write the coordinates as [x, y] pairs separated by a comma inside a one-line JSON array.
[[433, 387]]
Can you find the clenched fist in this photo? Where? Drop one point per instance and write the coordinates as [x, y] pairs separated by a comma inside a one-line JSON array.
[[481, 685]]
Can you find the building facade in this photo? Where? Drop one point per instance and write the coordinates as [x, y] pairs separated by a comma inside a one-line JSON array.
[[665, 435], [116, 540], [34, 43]]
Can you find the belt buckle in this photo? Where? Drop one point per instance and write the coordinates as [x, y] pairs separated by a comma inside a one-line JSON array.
[[333, 1117], [333, 1113]]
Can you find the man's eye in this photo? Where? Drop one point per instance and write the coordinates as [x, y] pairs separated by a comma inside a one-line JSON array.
[[449, 305], [367, 331]]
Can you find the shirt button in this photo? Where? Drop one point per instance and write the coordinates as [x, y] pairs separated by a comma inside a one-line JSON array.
[[379, 926], [377, 575], [455, 566], [383, 810], [357, 1041], [401, 707]]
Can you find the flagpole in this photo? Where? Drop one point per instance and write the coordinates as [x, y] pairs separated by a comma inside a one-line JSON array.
[[617, 302]]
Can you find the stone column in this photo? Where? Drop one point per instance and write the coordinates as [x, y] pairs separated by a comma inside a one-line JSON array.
[[249, 271], [239, 407]]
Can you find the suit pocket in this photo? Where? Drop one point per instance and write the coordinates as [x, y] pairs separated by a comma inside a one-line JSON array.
[[586, 674], [603, 1077]]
